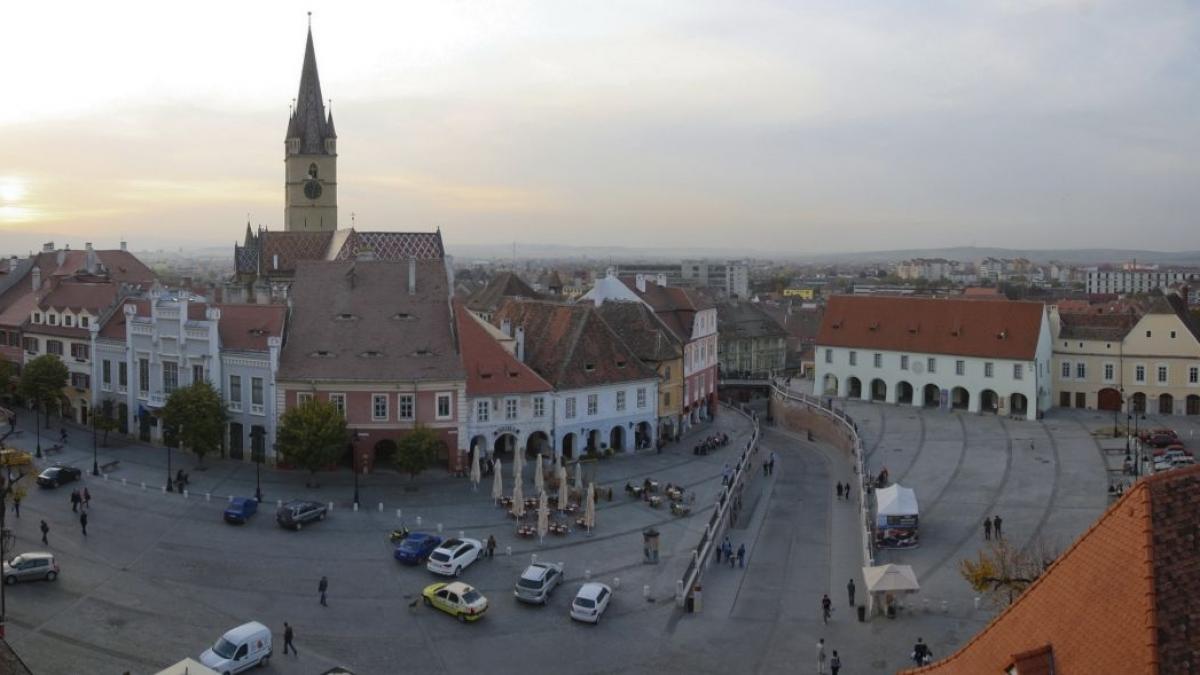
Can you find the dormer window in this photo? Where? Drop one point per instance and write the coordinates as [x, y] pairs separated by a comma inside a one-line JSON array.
[[68, 320], [371, 354], [589, 367], [620, 363], [345, 316], [37, 317], [423, 351], [322, 354], [53, 318], [83, 321], [257, 332], [402, 316]]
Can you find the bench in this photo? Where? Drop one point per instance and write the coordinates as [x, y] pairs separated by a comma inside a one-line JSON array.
[[107, 467]]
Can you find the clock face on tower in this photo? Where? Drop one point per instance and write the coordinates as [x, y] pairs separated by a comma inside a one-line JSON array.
[[312, 189]]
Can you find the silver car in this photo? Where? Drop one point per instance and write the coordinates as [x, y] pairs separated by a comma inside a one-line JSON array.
[[538, 581], [29, 566]]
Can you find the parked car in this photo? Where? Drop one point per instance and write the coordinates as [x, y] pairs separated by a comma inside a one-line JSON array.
[[538, 581], [456, 599], [590, 602], [1161, 438], [58, 474], [240, 509], [31, 566], [416, 547], [242, 648], [296, 513], [453, 556], [1174, 447]]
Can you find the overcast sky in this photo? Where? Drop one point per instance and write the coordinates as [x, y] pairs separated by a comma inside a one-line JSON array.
[[782, 126]]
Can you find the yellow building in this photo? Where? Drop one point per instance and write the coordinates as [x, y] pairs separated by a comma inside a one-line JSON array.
[[1143, 360]]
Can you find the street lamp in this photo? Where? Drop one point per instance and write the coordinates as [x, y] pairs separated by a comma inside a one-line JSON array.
[[37, 427], [170, 483], [354, 463], [257, 450], [95, 456]]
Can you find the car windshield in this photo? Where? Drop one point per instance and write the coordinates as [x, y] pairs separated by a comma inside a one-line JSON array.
[[471, 597], [584, 602], [224, 648], [439, 556], [529, 583], [412, 545], [17, 561], [50, 473]]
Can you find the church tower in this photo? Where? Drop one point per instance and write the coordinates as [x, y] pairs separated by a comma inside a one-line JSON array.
[[310, 156]]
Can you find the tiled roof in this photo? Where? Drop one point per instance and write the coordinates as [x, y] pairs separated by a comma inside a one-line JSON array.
[[1000, 329], [1084, 326], [501, 286], [676, 306], [357, 321], [570, 345], [247, 327], [114, 327], [490, 369], [291, 247], [75, 295], [642, 331], [393, 245], [745, 320], [1122, 599]]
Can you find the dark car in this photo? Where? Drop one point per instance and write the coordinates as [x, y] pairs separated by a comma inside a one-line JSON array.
[[296, 513], [416, 547], [240, 509], [1162, 439], [54, 476]]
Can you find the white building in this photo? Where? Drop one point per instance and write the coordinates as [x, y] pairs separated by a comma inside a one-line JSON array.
[[975, 355], [1132, 280]]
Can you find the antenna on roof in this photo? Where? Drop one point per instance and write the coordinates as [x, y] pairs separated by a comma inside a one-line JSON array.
[[310, 20], [351, 219]]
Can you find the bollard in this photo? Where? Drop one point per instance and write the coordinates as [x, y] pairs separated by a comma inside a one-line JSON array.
[[945, 607], [532, 558], [164, 489], [185, 494], [207, 496], [381, 507], [439, 528], [278, 503], [616, 583], [646, 591], [977, 602], [356, 507], [124, 482], [462, 534], [399, 514], [587, 575], [143, 485], [330, 506], [105, 476], [925, 605], [418, 521], [230, 499], [508, 550], [679, 592]]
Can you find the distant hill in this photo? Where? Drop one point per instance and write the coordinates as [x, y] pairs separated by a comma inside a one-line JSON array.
[[1078, 256]]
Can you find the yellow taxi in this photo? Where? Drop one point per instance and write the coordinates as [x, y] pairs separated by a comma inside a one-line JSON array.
[[456, 599]]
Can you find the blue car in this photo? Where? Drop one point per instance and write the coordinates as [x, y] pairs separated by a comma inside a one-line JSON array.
[[416, 547], [240, 510]]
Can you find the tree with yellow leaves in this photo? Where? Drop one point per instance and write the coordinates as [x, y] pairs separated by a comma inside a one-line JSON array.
[[1001, 571]]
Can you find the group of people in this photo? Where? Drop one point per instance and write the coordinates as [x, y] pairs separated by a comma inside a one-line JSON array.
[[711, 443], [991, 525], [843, 491], [834, 662], [734, 558], [769, 464]]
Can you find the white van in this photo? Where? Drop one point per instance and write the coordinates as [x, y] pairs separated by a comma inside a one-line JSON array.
[[240, 649]]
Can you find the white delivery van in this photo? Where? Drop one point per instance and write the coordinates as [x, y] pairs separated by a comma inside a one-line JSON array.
[[240, 649]]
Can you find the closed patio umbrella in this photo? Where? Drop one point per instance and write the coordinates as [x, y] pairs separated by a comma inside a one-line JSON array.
[[475, 473], [539, 481], [543, 516], [562, 489], [589, 513], [518, 506], [497, 482], [578, 476]]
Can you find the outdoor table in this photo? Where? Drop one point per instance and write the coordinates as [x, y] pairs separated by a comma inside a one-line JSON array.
[[675, 494], [559, 528], [571, 508], [655, 501], [525, 531], [653, 485]]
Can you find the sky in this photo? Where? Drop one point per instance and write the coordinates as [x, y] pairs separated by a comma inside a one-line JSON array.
[[785, 126]]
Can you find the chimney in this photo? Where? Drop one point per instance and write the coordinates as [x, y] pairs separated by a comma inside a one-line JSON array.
[[91, 258], [412, 276], [275, 261], [520, 344], [662, 280], [37, 278], [640, 281], [48, 247], [62, 257], [124, 247], [506, 327]]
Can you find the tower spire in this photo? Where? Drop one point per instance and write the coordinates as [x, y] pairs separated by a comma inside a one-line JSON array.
[[309, 122]]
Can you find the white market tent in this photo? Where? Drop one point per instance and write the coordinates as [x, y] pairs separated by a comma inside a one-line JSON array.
[[888, 581], [895, 500]]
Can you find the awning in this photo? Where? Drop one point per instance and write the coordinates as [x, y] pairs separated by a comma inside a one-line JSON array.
[[896, 500], [890, 579]]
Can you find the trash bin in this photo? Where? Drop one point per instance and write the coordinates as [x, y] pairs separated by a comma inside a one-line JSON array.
[[862, 613], [690, 604], [650, 545], [696, 598]]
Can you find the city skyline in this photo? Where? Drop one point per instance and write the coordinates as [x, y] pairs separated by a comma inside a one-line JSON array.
[[756, 127]]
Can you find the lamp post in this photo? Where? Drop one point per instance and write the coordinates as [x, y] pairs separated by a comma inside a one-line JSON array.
[[95, 454], [170, 483], [354, 462], [257, 451], [37, 427]]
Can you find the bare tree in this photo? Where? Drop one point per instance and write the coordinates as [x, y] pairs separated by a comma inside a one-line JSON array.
[[1002, 571]]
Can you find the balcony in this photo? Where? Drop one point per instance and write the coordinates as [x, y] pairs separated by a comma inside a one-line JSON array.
[[157, 399], [235, 406], [257, 409]]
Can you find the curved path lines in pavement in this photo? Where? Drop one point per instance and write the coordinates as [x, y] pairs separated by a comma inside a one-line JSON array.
[[1052, 502], [932, 471], [879, 433]]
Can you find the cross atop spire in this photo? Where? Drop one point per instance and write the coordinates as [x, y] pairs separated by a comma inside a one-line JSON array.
[[308, 121]]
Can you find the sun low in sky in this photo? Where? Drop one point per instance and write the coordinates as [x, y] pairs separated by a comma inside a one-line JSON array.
[[764, 126]]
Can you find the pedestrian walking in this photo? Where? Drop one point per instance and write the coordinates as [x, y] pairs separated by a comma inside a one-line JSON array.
[[850, 591], [826, 608], [821, 656], [987, 529], [771, 464], [62, 435], [766, 467], [741, 554], [839, 490], [12, 423], [287, 640], [491, 546], [76, 500], [835, 663], [45, 531], [996, 526], [920, 653], [17, 505], [323, 586], [87, 498], [83, 522]]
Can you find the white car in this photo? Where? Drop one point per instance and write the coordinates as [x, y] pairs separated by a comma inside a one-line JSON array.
[[245, 647], [453, 555], [538, 581], [590, 602]]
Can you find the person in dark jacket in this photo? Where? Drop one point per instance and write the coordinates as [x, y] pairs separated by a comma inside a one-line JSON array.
[[287, 640], [323, 586]]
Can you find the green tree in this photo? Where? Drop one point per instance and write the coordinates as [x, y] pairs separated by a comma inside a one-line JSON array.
[[42, 382], [106, 421], [194, 417], [312, 435], [8, 379], [417, 451]]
